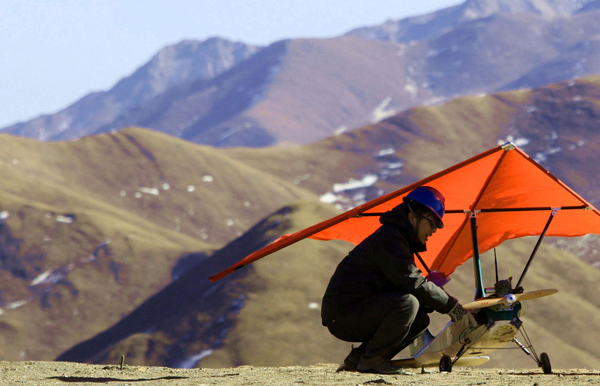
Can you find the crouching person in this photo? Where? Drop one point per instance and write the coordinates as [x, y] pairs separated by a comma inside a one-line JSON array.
[[377, 295]]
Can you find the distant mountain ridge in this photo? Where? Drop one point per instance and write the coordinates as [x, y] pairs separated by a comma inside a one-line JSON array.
[[181, 63], [423, 27], [299, 91]]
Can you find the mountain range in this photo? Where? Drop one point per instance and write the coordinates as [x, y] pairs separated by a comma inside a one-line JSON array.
[[298, 91], [182, 63]]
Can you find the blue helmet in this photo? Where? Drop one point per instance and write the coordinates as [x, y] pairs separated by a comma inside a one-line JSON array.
[[430, 198]]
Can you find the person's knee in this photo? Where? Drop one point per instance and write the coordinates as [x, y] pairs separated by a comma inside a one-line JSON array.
[[410, 301], [406, 306]]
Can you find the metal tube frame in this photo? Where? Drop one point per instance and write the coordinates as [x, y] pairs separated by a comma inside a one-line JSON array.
[[479, 289]]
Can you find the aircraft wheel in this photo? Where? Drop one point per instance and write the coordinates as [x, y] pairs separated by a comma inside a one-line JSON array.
[[446, 364], [545, 363]]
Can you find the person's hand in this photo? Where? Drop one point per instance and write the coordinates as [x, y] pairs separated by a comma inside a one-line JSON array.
[[461, 317]]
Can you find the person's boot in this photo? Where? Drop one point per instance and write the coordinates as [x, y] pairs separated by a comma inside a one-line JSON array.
[[352, 359], [379, 364]]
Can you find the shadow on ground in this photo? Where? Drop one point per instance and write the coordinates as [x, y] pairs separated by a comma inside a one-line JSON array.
[[105, 380]]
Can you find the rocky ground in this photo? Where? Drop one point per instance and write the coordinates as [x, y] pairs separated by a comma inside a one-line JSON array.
[[61, 373]]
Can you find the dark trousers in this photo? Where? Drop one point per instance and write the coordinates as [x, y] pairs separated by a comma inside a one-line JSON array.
[[384, 323]]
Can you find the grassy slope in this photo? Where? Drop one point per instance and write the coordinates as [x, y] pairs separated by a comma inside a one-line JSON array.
[[147, 235], [190, 315]]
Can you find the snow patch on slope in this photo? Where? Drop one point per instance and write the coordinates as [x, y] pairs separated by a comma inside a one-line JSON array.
[[382, 111], [354, 192]]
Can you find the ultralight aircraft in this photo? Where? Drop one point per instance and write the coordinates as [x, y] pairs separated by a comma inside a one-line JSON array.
[[497, 195]]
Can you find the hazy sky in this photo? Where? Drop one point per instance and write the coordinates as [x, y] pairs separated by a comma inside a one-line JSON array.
[[53, 52]]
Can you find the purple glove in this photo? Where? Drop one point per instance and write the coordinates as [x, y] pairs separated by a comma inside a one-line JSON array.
[[438, 278]]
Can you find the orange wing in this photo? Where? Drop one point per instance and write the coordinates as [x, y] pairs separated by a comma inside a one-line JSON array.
[[510, 194]]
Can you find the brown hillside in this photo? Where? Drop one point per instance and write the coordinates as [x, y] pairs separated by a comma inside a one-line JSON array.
[[321, 87], [153, 198]]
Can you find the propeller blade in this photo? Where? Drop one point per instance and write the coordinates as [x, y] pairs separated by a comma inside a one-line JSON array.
[[535, 294], [483, 303], [509, 299]]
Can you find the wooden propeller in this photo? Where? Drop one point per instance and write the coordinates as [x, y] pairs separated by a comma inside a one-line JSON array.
[[509, 299]]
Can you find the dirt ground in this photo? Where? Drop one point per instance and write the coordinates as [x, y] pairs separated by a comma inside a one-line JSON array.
[[66, 373]]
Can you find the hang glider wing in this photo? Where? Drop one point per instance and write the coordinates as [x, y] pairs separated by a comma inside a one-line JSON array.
[[509, 193]]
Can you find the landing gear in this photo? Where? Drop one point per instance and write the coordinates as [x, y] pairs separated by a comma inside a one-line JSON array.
[[545, 363], [446, 364], [542, 361]]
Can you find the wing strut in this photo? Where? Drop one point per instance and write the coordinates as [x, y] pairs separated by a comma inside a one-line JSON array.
[[537, 245]]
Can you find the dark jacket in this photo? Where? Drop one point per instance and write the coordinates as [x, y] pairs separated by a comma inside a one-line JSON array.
[[383, 262]]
